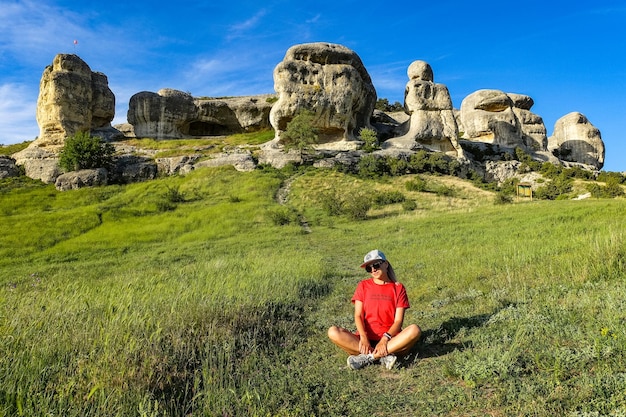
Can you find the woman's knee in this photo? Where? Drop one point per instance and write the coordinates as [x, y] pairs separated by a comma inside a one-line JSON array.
[[333, 332], [414, 331]]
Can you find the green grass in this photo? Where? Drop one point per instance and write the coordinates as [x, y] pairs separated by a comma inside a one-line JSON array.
[[205, 146], [11, 149], [123, 300]]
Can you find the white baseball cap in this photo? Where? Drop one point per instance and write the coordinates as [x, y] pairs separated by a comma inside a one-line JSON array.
[[372, 256]]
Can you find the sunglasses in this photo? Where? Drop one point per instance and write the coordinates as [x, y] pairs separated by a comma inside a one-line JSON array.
[[374, 266]]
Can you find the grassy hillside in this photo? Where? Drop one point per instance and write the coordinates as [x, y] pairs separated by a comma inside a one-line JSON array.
[[202, 296]]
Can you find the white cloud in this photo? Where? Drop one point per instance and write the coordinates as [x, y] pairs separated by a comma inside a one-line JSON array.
[[238, 29], [31, 29], [18, 108]]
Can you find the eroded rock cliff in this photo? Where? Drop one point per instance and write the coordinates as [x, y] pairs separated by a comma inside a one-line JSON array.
[[331, 81]]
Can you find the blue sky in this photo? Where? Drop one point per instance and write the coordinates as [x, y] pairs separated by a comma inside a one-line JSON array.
[[567, 55]]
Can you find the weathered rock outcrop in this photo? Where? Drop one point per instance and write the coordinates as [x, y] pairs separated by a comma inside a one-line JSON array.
[[8, 167], [240, 159], [80, 179], [173, 114], [72, 98], [575, 139], [432, 124], [160, 115], [534, 134], [331, 81], [492, 116], [39, 163]]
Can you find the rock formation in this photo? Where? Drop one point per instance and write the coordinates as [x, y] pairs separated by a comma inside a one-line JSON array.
[[575, 139], [495, 117], [327, 79], [534, 135], [173, 114], [162, 115], [331, 81], [72, 98], [79, 179], [432, 124], [8, 167], [487, 116]]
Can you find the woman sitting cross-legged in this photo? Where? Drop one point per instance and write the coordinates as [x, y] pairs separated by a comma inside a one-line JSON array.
[[379, 305]]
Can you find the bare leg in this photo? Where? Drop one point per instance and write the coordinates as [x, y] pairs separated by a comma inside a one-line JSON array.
[[399, 345], [402, 343], [345, 339]]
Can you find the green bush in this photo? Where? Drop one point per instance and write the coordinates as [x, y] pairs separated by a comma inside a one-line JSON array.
[[372, 166], [383, 104], [432, 162], [368, 136], [83, 151], [502, 198], [300, 133], [611, 190], [398, 166], [331, 203], [282, 216], [388, 197], [416, 184], [554, 189], [354, 204], [409, 205], [611, 176]]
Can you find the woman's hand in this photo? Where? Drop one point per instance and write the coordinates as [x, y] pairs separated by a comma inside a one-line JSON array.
[[364, 345], [381, 348]]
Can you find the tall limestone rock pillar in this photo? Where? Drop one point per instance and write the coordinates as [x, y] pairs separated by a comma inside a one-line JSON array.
[[72, 98], [432, 124]]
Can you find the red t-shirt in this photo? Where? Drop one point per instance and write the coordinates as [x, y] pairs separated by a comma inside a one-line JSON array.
[[379, 305]]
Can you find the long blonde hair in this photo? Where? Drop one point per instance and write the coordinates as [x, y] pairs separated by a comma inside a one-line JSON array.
[[391, 273]]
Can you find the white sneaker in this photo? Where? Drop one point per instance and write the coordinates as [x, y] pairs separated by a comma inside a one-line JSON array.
[[360, 361], [388, 361]]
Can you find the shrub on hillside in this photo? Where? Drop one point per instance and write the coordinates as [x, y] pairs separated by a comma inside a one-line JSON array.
[[83, 151], [388, 197], [282, 216], [368, 136], [354, 204], [409, 205], [612, 189], [372, 166], [432, 162], [554, 189], [416, 184], [611, 176], [300, 133], [502, 198]]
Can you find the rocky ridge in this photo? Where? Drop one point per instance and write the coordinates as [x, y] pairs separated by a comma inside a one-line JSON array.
[[327, 79]]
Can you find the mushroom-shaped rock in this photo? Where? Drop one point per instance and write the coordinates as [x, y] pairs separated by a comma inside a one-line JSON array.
[[331, 81], [575, 139], [487, 116]]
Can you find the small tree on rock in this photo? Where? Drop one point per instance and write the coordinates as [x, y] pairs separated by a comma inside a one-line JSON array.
[[300, 133], [83, 151]]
